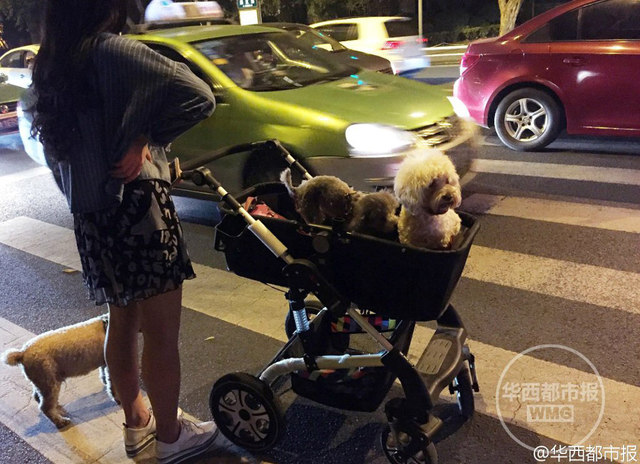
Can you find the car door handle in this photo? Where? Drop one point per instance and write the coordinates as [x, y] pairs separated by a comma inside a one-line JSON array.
[[573, 61]]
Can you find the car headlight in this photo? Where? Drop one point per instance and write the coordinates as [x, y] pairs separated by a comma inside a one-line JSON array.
[[369, 140]]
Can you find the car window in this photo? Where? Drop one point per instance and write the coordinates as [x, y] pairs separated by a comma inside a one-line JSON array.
[[610, 20], [606, 20], [29, 59], [316, 39], [174, 55], [561, 29], [340, 32], [13, 60], [401, 27], [271, 61]]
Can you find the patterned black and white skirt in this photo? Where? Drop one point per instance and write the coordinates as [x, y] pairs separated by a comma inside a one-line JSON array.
[[133, 251]]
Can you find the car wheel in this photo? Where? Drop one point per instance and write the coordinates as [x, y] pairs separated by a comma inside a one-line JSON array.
[[527, 119]]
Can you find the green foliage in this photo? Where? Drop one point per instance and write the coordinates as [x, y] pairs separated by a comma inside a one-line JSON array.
[[453, 15], [23, 13], [270, 9], [463, 34], [294, 11], [20, 19], [319, 10]]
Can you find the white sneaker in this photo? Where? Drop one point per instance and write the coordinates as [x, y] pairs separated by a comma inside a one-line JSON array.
[[136, 440], [194, 439]]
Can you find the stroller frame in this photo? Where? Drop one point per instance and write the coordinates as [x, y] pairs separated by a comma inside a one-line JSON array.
[[245, 407]]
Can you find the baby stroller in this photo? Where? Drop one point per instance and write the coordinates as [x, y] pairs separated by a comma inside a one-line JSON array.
[[365, 285]]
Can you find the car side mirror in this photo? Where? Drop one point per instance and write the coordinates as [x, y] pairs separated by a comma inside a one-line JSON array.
[[218, 93], [3, 78], [219, 96]]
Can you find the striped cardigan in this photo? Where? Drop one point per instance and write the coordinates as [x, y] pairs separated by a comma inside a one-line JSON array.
[[142, 92]]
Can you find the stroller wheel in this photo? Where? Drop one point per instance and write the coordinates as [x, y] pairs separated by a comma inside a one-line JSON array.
[[464, 393], [246, 411], [397, 452]]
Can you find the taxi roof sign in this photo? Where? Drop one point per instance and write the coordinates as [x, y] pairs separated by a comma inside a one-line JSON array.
[[164, 11]]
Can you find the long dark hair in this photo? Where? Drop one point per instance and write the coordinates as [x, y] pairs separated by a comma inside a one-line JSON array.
[[62, 75]]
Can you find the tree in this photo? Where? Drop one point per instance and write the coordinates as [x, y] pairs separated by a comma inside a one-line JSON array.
[[509, 10], [294, 11], [24, 15], [330, 9]]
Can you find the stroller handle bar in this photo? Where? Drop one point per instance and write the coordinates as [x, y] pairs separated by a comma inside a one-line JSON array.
[[268, 145], [300, 270], [202, 176], [195, 171]]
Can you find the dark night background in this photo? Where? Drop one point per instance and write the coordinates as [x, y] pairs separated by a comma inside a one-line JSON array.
[[444, 20]]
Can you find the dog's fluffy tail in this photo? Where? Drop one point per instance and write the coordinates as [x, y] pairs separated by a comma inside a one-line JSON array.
[[286, 179], [12, 357]]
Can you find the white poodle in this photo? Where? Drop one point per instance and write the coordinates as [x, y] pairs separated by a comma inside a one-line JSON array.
[[48, 359], [428, 188]]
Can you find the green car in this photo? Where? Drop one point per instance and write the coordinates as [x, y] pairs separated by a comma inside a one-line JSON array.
[[336, 119]]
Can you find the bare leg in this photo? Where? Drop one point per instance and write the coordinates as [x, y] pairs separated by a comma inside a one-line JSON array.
[[121, 355], [160, 317]]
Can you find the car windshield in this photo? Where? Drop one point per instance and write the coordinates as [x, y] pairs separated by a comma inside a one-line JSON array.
[[316, 39], [271, 61]]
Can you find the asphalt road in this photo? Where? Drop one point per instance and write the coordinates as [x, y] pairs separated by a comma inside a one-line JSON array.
[[557, 262]]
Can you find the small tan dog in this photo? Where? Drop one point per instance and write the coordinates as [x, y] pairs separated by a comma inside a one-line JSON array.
[[50, 358], [321, 199], [428, 188], [375, 214]]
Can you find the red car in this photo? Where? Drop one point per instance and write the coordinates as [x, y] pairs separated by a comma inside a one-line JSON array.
[[575, 67]]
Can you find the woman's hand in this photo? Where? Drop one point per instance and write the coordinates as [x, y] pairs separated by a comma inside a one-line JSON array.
[[129, 167]]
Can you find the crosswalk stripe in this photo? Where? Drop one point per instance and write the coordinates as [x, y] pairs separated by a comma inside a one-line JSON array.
[[24, 175], [265, 309], [584, 283], [559, 171], [41, 239], [573, 281], [561, 212]]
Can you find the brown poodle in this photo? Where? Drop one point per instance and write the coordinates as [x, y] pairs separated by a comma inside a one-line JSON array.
[[50, 358], [321, 199], [375, 214]]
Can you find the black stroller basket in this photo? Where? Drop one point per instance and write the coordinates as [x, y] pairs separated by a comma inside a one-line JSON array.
[[379, 287], [378, 275]]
